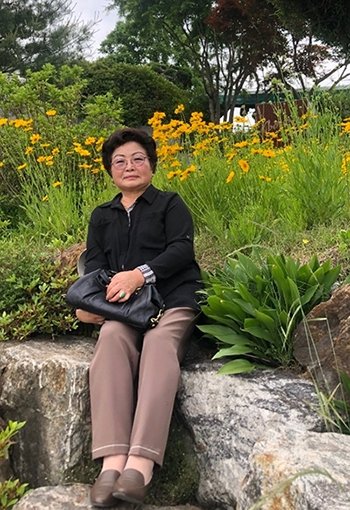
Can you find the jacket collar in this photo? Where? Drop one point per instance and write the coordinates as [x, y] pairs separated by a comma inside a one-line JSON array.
[[148, 195]]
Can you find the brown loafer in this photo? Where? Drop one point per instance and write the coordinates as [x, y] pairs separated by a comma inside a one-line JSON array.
[[101, 492], [131, 487]]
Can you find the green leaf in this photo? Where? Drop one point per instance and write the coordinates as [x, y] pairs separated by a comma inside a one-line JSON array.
[[224, 334], [266, 320], [235, 350], [246, 295], [253, 327], [237, 366], [308, 295], [248, 265]]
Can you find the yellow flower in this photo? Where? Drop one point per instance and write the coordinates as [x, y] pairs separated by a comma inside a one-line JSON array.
[[240, 145], [55, 151], [3, 121], [179, 109], [230, 177], [90, 140], [41, 159], [45, 145], [85, 166], [49, 160], [244, 165], [2, 164], [240, 119], [28, 150], [57, 184], [22, 167], [172, 174], [35, 138], [265, 178], [51, 113], [80, 150], [45, 198], [306, 241], [268, 153]]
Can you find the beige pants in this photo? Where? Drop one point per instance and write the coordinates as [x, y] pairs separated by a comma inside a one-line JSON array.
[[133, 383]]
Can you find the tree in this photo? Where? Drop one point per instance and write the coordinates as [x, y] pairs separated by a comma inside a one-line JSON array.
[[312, 58], [329, 19], [141, 90], [33, 33], [196, 34]]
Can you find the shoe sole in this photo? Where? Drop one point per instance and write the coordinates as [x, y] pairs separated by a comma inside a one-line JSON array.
[[128, 499]]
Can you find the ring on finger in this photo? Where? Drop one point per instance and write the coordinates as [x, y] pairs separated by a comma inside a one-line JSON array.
[[122, 294]]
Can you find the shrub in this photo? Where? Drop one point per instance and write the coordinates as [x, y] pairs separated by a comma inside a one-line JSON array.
[[32, 290], [10, 490], [141, 90], [254, 307]]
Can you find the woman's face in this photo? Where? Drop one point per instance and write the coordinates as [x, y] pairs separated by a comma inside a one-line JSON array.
[[131, 168]]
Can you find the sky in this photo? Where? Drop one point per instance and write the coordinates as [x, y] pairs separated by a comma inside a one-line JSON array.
[[95, 10]]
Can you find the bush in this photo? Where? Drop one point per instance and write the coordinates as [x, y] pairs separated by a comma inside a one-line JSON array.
[[32, 290], [254, 307], [10, 490], [141, 90]]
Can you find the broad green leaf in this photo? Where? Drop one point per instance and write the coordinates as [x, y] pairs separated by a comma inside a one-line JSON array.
[[266, 321], [221, 320], [247, 296], [330, 278], [224, 334], [246, 307], [282, 284], [224, 307], [294, 291], [309, 294], [253, 327], [237, 366], [249, 267], [235, 350]]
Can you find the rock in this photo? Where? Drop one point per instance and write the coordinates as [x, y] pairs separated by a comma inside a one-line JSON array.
[[73, 497], [322, 342], [227, 415], [295, 471], [241, 427], [45, 384]]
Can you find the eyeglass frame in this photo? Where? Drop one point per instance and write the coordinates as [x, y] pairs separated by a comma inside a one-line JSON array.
[[131, 160]]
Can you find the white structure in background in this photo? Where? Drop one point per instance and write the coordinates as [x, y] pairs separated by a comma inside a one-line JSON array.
[[240, 113]]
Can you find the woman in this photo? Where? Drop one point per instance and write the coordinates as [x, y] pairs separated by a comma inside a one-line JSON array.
[[146, 235]]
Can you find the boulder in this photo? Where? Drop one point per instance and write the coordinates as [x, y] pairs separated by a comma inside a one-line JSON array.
[[246, 434], [293, 470], [321, 342], [229, 414], [45, 383], [73, 497]]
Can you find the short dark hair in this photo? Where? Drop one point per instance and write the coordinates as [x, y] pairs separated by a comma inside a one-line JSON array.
[[125, 135]]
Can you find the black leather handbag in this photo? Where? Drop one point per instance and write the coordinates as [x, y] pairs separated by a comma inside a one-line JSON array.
[[142, 310]]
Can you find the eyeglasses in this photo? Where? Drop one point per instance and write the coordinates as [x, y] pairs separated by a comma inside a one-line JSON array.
[[137, 161]]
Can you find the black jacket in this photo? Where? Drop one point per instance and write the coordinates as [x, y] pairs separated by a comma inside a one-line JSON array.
[[160, 234]]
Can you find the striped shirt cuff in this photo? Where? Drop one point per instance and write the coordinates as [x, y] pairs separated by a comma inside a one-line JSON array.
[[148, 274]]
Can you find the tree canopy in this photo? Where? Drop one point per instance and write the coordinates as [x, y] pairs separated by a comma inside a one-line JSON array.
[[33, 33], [198, 36], [329, 19]]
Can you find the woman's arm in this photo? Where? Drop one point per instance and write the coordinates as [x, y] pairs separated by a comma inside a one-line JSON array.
[[179, 232]]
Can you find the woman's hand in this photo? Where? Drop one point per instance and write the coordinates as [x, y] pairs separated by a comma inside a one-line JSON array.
[[88, 317], [123, 285]]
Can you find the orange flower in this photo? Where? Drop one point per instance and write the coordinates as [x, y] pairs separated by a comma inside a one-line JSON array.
[[230, 177], [244, 165]]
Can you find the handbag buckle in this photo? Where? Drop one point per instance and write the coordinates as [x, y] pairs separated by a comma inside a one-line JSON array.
[[154, 320]]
